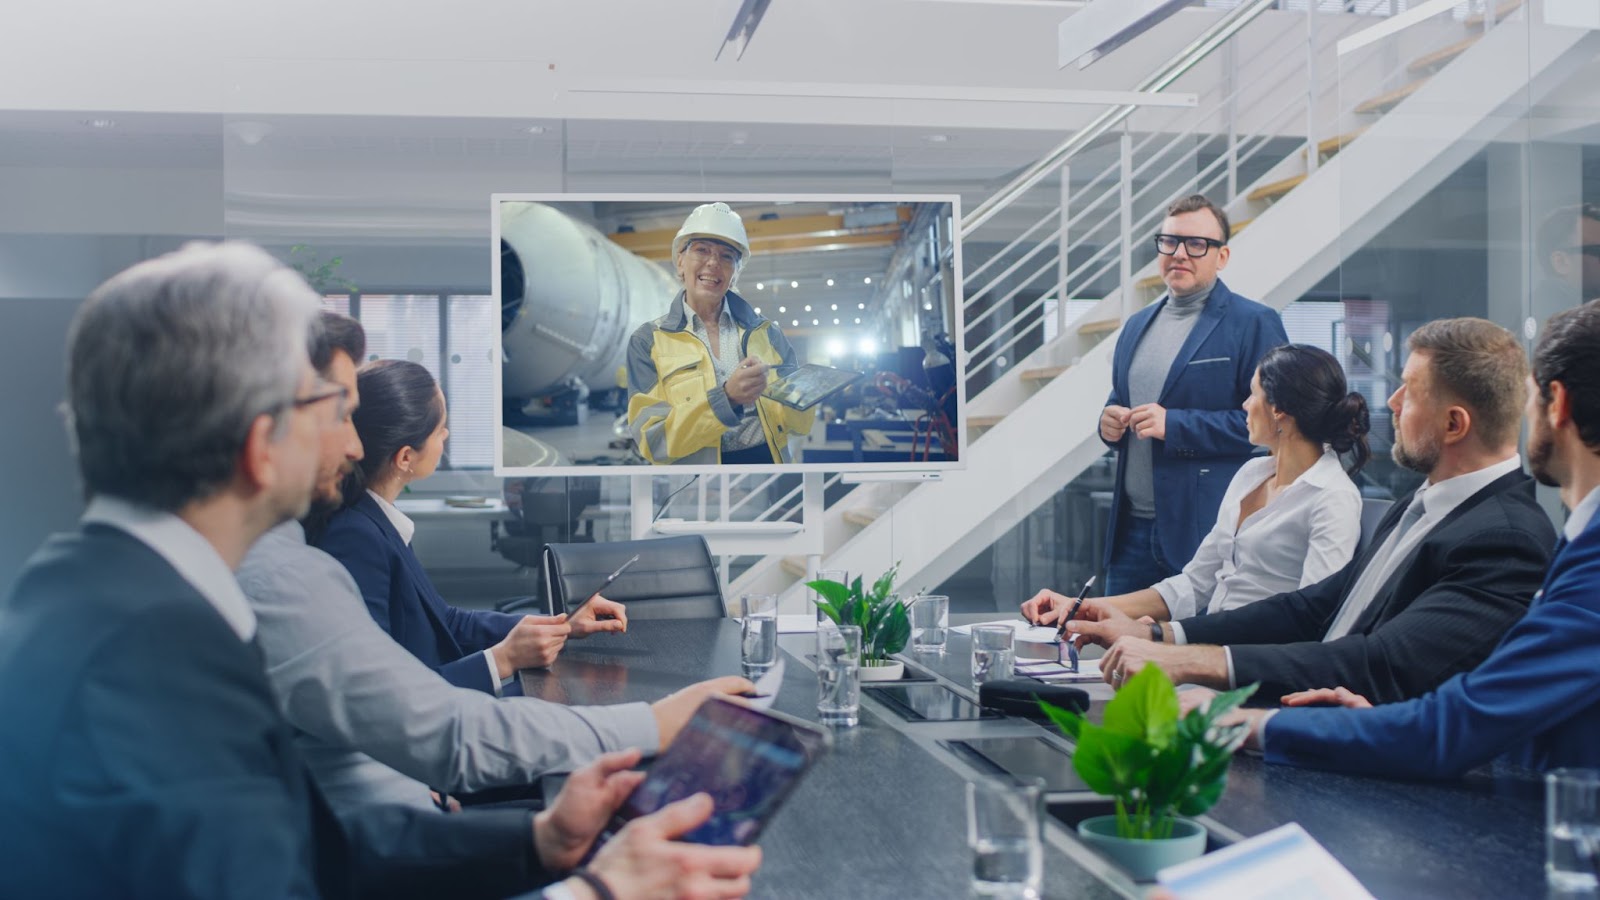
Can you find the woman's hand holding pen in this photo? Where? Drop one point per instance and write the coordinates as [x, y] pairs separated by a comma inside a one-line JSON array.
[[532, 643], [747, 381]]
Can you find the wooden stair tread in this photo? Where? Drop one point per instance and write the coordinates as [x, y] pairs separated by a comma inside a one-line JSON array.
[[1148, 282], [1383, 102], [1103, 326], [1443, 55], [1330, 146], [863, 515], [983, 421], [1044, 373], [794, 565], [1276, 189], [1240, 226], [1500, 12]]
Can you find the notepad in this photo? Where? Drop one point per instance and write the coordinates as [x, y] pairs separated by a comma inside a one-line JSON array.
[[1056, 673], [1283, 862], [1025, 631]]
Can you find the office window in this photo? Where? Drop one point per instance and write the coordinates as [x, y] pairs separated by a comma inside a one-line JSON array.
[[403, 327], [472, 329], [339, 303]]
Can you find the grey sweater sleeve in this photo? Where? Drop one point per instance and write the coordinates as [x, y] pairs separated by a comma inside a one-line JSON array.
[[340, 678]]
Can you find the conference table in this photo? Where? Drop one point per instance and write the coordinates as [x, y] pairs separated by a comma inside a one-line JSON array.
[[883, 814]]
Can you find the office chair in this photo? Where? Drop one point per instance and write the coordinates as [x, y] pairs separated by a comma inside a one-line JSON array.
[[675, 577], [1372, 512]]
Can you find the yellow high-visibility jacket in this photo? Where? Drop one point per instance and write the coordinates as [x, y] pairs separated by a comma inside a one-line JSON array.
[[678, 412]]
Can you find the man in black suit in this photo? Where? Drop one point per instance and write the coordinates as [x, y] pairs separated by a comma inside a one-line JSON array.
[[143, 751], [1449, 569]]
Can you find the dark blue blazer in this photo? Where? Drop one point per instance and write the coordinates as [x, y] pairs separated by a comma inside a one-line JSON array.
[[1536, 698], [145, 756], [1204, 393], [404, 602]]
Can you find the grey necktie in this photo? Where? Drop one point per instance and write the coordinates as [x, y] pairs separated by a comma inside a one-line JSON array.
[[1376, 572]]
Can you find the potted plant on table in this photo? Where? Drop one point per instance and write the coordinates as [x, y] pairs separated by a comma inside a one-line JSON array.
[[1156, 765], [885, 626]]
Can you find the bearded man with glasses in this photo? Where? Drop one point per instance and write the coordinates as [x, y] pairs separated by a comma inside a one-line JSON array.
[[1180, 374]]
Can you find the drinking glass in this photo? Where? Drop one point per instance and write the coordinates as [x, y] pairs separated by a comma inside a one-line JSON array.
[[1572, 832], [758, 631], [993, 656], [839, 675], [930, 617], [1004, 821], [823, 621]]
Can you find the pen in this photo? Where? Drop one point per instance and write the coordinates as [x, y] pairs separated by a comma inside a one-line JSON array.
[[1061, 630], [607, 583]]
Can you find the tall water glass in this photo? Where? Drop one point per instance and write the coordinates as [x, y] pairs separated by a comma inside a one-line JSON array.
[[930, 617], [1572, 832], [1004, 822], [839, 675], [823, 621], [758, 632], [993, 654]]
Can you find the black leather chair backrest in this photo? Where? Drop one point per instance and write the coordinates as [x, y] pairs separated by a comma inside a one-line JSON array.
[[1372, 511], [675, 577]]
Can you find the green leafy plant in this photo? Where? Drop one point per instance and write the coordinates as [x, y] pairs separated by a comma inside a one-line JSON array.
[[323, 277], [885, 626], [1156, 765]]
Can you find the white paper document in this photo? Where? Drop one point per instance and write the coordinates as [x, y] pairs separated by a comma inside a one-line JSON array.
[[1058, 673], [1283, 862], [1025, 631]]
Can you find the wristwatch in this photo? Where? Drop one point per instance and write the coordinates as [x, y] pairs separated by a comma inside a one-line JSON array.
[[1155, 632]]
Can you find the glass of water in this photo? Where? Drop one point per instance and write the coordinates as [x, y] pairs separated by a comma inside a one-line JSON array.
[[839, 675], [1004, 821], [1572, 832], [823, 622], [758, 631], [930, 617], [993, 656]]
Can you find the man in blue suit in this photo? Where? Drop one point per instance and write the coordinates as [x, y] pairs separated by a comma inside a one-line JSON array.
[[1536, 698], [1180, 373]]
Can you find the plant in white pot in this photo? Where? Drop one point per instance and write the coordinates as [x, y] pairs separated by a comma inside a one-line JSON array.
[[885, 626], [1156, 765]]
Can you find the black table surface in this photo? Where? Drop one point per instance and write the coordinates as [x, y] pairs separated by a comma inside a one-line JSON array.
[[883, 814]]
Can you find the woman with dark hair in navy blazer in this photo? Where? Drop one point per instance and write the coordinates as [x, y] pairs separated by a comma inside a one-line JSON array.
[[401, 422]]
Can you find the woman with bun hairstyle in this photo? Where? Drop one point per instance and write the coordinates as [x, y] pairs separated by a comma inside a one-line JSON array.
[[401, 422], [1289, 519]]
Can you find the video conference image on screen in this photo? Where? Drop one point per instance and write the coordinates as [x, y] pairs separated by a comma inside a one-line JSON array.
[[693, 333]]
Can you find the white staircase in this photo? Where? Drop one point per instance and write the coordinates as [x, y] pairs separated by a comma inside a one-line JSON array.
[[1304, 216]]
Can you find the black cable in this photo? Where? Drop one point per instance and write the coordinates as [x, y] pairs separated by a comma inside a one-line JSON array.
[[675, 493]]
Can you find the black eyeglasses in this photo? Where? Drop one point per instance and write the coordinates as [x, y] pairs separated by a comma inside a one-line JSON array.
[[1585, 249], [330, 392], [1195, 247]]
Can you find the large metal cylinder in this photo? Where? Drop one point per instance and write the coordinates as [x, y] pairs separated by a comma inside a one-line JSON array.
[[570, 298]]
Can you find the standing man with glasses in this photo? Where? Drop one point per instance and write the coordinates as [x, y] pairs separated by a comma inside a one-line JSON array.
[[1568, 252], [1180, 374]]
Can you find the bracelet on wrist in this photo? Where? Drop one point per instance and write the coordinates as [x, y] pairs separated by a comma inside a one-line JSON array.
[[595, 884]]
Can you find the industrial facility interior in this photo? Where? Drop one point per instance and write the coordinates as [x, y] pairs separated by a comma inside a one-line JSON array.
[[972, 184]]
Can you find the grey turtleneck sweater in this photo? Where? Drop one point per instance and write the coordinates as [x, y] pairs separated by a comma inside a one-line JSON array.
[[1152, 360]]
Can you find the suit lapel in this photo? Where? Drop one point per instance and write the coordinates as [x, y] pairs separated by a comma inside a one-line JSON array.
[[1210, 318], [1386, 591], [417, 579]]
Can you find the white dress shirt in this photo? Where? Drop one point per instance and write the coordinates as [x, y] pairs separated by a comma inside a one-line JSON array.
[[1308, 532], [186, 550], [1438, 501]]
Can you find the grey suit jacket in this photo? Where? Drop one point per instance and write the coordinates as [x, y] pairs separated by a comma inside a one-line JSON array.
[[377, 725]]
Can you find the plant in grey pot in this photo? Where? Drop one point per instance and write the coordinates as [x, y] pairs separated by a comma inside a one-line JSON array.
[[885, 626], [1156, 765]]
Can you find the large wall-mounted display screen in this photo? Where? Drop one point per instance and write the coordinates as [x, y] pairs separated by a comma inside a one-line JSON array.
[[689, 334]]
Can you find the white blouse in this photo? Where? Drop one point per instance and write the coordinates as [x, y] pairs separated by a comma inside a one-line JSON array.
[[1308, 532]]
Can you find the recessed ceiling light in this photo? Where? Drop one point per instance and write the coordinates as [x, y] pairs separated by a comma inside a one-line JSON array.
[[535, 129], [830, 282], [867, 280], [795, 323], [783, 309], [760, 286], [861, 306], [834, 307], [814, 322], [835, 321], [858, 321], [808, 307], [794, 284]]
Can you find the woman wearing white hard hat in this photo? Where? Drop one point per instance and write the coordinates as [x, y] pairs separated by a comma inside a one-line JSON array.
[[696, 374]]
